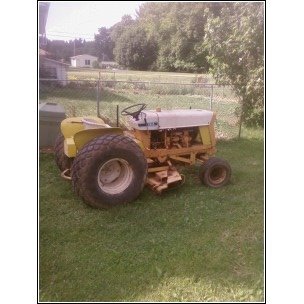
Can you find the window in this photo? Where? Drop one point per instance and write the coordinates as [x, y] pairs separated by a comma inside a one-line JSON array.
[[87, 62]]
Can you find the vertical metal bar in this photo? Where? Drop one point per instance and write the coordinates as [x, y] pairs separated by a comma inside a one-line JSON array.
[[240, 126], [98, 114], [211, 98], [117, 116], [241, 122], [98, 96]]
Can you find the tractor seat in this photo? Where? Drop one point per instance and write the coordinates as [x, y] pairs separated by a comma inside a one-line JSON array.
[[90, 123]]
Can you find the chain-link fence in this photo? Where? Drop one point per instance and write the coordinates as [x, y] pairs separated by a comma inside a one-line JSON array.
[[109, 97]]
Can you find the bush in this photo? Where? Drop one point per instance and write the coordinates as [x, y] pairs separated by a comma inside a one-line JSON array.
[[95, 64]]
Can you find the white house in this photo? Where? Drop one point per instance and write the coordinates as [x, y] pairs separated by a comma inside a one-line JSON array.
[[83, 61], [53, 69]]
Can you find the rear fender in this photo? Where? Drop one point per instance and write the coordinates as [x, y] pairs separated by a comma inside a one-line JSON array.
[[84, 136], [72, 125]]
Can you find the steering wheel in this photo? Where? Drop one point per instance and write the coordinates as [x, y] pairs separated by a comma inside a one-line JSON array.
[[134, 114]]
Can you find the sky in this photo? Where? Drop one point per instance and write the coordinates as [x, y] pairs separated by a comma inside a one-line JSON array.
[[69, 20]]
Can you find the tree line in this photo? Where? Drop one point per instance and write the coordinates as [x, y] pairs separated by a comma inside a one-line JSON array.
[[222, 38]]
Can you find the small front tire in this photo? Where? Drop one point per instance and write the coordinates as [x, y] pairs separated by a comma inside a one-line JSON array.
[[215, 172]]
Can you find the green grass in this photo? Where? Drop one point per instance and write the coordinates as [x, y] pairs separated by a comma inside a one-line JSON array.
[[82, 100], [191, 244], [125, 75]]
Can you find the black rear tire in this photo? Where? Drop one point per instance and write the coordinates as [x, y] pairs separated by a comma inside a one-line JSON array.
[[215, 172], [63, 162], [108, 171]]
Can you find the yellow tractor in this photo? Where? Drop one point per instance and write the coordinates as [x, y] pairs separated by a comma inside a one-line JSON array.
[[110, 166]]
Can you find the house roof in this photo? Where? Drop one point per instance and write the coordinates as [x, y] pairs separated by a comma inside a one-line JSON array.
[[55, 61], [83, 55]]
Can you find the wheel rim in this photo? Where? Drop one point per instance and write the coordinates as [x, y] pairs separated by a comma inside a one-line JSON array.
[[217, 175], [115, 176]]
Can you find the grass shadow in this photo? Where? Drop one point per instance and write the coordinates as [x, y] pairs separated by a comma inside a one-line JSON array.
[[83, 93]]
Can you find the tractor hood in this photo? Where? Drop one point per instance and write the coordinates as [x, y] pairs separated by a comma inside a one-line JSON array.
[[171, 119]]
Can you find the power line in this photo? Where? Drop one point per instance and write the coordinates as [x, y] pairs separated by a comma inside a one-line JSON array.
[[72, 37], [70, 33]]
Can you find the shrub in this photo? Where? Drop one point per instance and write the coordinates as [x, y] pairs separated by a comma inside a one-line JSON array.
[[95, 64]]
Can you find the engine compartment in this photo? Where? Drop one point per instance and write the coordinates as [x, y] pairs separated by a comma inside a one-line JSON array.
[[173, 138]]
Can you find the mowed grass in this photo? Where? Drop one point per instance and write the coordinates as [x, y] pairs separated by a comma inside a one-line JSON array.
[[82, 101], [128, 75], [190, 244]]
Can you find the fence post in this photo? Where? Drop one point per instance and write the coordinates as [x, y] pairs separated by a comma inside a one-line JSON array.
[[211, 97], [98, 96], [117, 116], [241, 121]]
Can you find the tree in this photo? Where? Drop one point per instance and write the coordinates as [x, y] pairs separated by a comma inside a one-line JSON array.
[[118, 28], [179, 30], [87, 47], [134, 49], [59, 49], [235, 43], [104, 44]]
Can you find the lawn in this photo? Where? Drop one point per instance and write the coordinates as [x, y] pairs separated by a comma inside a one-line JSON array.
[[191, 244], [126, 75], [81, 99]]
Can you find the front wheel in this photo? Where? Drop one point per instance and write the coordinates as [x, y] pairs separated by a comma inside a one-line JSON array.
[[63, 162], [109, 170], [215, 172]]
